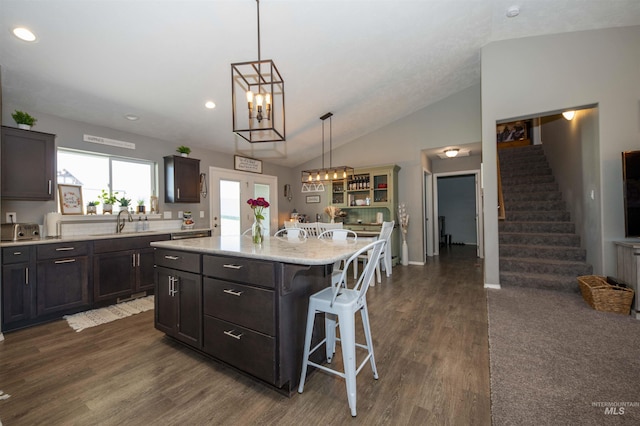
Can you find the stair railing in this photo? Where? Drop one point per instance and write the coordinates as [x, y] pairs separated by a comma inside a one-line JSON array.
[[501, 213]]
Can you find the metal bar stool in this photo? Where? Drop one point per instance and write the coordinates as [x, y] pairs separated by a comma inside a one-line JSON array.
[[340, 305]]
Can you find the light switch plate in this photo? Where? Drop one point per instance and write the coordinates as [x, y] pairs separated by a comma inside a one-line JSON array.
[[167, 215], [201, 213]]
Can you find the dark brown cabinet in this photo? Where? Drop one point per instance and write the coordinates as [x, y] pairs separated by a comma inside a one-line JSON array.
[[123, 267], [18, 284], [178, 297], [182, 179], [62, 278], [22, 151]]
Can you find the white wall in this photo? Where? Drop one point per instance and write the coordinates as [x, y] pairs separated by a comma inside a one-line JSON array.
[[560, 72], [455, 120]]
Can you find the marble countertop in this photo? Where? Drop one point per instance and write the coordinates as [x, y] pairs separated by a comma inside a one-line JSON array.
[[311, 251], [92, 237]]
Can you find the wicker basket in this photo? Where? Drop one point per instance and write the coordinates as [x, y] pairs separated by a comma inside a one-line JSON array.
[[602, 296]]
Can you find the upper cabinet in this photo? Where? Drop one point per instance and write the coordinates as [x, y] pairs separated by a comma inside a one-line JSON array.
[[370, 187], [181, 179], [28, 165]]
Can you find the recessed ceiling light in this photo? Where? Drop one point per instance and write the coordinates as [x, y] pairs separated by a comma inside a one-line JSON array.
[[131, 117], [24, 34], [513, 11], [210, 104]]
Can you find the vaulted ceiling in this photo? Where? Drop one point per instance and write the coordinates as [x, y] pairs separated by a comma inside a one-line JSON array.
[[368, 62]]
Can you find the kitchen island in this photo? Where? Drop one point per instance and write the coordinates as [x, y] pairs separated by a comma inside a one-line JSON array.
[[242, 304]]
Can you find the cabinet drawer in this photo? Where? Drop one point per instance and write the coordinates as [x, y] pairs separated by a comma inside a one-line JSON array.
[[180, 260], [244, 305], [245, 349], [58, 251], [246, 271], [16, 254], [127, 243]]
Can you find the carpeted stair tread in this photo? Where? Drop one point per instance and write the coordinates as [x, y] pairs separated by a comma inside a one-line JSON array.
[[536, 226], [538, 238], [542, 252], [531, 195], [545, 266], [526, 180], [537, 216], [535, 205], [542, 281]]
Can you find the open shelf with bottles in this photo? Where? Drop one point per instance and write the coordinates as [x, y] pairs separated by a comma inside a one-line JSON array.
[[367, 187]]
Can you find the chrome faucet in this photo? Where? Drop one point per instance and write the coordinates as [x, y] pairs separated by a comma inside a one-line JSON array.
[[119, 225]]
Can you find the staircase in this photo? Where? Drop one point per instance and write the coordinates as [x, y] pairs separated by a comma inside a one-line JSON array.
[[538, 244]]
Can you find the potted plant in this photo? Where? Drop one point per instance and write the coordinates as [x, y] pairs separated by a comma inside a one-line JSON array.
[[183, 150], [23, 119], [141, 208], [91, 207], [124, 203], [108, 200]]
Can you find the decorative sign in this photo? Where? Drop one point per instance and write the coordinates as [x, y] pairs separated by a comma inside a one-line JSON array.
[[112, 142], [311, 199], [247, 164], [70, 199]]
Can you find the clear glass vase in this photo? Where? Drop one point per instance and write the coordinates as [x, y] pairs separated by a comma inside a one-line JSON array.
[[257, 231]]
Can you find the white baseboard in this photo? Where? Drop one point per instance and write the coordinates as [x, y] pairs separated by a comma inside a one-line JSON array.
[[492, 286]]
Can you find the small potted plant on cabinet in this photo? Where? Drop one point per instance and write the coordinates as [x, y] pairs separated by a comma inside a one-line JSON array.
[[23, 120], [91, 207], [141, 208], [124, 203], [184, 150], [108, 200]]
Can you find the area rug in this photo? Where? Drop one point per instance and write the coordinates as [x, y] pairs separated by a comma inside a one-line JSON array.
[[95, 317]]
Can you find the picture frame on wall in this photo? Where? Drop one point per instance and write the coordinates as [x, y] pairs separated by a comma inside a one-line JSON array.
[[313, 199], [513, 131], [70, 197]]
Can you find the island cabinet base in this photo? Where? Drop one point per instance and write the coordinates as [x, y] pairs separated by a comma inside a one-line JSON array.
[[254, 315]]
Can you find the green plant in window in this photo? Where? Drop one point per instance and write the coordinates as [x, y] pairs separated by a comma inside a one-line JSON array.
[[108, 198], [93, 203], [124, 202]]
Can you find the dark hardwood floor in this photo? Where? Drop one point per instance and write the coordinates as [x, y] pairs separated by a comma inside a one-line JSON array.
[[429, 326]]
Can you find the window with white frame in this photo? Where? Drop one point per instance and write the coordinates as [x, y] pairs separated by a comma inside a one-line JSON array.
[[129, 178]]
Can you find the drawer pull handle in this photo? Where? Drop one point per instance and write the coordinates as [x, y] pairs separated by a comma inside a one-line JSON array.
[[172, 257], [235, 336], [231, 266], [65, 248], [17, 253], [65, 261], [231, 292]]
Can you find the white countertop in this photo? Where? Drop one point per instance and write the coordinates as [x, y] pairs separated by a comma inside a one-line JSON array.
[[92, 237], [311, 251]]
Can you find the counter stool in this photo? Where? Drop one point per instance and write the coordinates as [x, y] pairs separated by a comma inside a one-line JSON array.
[[341, 304]]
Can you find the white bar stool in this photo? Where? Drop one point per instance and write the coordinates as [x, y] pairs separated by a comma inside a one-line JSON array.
[[342, 304]]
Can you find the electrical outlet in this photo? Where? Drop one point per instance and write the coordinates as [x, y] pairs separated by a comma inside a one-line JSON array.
[[201, 213], [180, 214], [12, 217]]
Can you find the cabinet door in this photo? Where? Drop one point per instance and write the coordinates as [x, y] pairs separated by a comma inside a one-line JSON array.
[[189, 299], [114, 275], [17, 293], [63, 285], [165, 306], [179, 305], [144, 269], [182, 179], [25, 150]]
